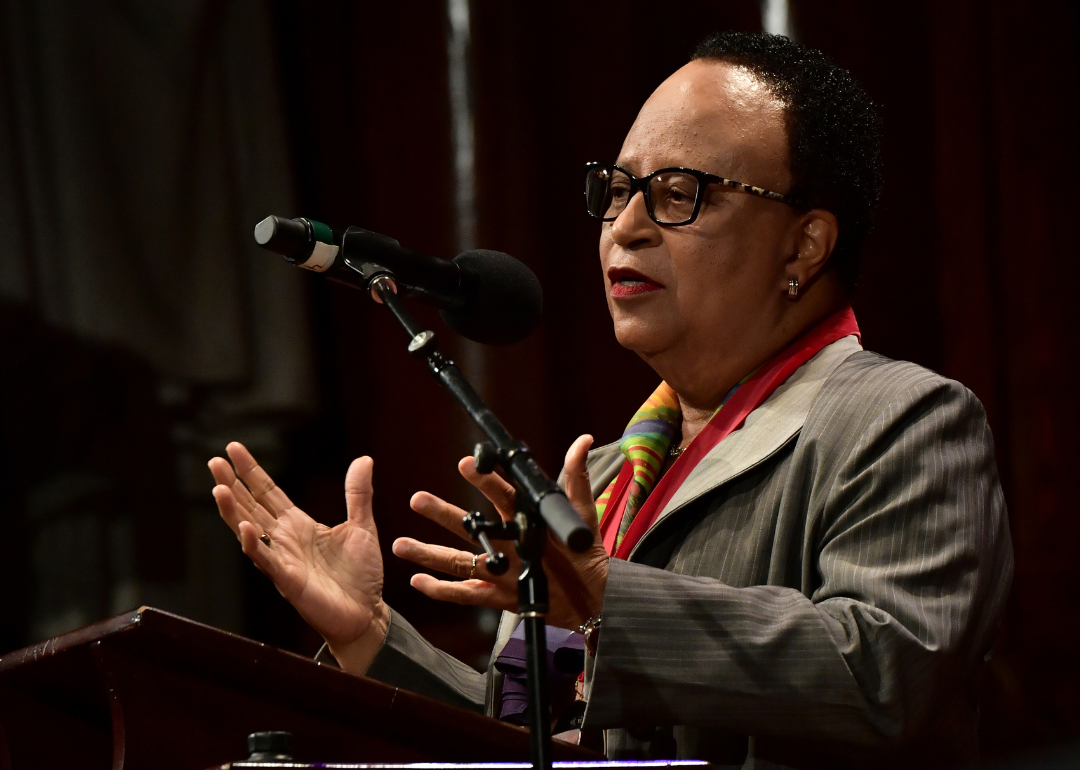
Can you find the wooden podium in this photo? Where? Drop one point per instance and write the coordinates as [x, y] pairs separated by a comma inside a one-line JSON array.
[[148, 689]]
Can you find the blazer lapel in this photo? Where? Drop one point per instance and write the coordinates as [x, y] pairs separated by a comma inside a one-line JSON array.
[[766, 430], [604, 464]]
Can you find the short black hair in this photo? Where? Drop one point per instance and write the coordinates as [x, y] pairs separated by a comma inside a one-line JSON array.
[[833, 130]]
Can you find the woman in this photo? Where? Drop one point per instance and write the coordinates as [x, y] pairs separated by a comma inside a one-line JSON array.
[[802, 548]]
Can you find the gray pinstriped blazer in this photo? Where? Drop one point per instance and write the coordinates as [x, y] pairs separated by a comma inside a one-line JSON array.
[[827, 581]]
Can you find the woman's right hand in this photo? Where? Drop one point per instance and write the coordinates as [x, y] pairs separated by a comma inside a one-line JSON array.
[[333, 576]]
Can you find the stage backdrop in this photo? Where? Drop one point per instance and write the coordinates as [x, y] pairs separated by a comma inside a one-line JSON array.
[[341, 111], [969, 271]]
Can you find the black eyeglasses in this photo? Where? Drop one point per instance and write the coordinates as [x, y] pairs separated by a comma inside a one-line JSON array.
[[672, 195]]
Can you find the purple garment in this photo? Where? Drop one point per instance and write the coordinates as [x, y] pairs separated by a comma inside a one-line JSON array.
[[565, 661]]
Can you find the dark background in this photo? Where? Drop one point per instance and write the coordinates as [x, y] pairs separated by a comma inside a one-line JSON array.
[[971, 272]]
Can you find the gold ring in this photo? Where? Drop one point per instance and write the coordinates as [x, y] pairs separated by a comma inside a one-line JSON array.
[[473, 570], [265, 539]]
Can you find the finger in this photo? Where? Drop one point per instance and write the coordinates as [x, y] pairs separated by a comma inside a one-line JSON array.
[[491, 485], [227, 507], [441, 512], [470, 592], [438, 557], [223, 473], [263, 556], [359, 491], [578, 486], [233, 513], [262, 487]]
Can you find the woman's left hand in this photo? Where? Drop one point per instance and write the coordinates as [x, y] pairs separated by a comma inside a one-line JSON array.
[[576, 581]]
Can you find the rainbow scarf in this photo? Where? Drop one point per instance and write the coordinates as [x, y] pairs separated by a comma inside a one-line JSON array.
[[645, 444]]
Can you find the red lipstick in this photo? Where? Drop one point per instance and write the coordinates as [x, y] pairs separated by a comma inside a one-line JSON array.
[[630, 283]]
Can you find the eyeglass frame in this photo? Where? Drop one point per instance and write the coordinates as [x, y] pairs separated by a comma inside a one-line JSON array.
[[704, 179]]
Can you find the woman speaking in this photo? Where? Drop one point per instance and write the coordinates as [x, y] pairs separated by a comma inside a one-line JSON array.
[[802, 550]]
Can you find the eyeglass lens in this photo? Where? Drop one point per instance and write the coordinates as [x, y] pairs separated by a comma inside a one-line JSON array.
[[670, 200]]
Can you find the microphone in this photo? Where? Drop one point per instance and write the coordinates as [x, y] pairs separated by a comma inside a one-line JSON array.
[[487, 296]]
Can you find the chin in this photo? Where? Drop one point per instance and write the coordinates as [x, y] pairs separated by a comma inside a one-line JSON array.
[[641, 339]]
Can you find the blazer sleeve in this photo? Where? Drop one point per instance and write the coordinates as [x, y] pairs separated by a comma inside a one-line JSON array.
[[409, 661], [909, 559]]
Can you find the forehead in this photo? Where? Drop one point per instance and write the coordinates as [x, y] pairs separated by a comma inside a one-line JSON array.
[[712, 116]]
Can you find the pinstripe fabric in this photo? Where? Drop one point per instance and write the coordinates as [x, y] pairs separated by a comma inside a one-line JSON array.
[[827, 581], [835, 601]]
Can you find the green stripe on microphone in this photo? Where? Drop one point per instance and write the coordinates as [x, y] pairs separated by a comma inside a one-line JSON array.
[[322, 232]]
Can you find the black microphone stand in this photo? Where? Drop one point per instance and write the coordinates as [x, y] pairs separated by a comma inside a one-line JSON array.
[[538, 501]]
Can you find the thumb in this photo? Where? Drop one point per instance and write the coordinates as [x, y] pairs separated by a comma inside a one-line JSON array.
[[578, 486], [358, 490]]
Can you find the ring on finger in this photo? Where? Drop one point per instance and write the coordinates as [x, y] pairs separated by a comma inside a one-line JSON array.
[[473, 570]]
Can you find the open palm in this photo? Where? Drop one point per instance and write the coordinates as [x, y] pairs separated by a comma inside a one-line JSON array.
[[333, 576]]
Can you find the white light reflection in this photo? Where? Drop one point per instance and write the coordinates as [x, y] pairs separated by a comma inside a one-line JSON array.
[[462, 136], [776, 18], [461, 124]]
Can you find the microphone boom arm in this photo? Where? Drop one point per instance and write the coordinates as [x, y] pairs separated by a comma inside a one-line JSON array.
[[370, 253], [542, 494], [539, 503]]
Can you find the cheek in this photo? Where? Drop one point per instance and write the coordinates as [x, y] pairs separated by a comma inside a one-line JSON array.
[[606, 244], [701, 272], [746, 255], [608, 251], [721, 280]]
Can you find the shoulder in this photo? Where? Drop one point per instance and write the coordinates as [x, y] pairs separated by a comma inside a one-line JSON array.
[[871, 403], [869, 376], [869, 386]]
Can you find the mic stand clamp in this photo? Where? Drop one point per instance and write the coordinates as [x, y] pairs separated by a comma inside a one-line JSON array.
[[481, 530], [538, 500]]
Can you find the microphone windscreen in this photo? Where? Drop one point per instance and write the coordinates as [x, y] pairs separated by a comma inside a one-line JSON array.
[[507, 303]]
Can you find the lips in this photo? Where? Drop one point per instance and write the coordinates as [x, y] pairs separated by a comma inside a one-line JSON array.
[[630, 283]]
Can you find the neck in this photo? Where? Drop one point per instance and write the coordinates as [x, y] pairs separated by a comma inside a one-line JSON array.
[[694, 418], [702, 385]]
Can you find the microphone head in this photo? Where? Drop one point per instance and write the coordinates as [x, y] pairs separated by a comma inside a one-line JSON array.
[[507, 301], [287, 237]]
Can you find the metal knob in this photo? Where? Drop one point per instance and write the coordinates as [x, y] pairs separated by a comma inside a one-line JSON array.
[[486, 456]]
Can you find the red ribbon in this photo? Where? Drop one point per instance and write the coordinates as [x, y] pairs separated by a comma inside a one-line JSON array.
[[746, 399]]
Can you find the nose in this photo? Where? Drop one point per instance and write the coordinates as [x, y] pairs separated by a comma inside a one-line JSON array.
[[634, 228]]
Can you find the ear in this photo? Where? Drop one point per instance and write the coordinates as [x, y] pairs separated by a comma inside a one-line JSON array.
[[816, 238]]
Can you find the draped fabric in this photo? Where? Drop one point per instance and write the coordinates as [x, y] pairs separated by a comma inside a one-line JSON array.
[[139, 144], [645, 444], [649, 435]]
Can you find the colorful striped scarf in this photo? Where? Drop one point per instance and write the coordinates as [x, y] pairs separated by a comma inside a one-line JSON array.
[[645, 444]]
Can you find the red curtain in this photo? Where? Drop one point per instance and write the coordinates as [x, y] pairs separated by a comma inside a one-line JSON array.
[[971, 270]]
